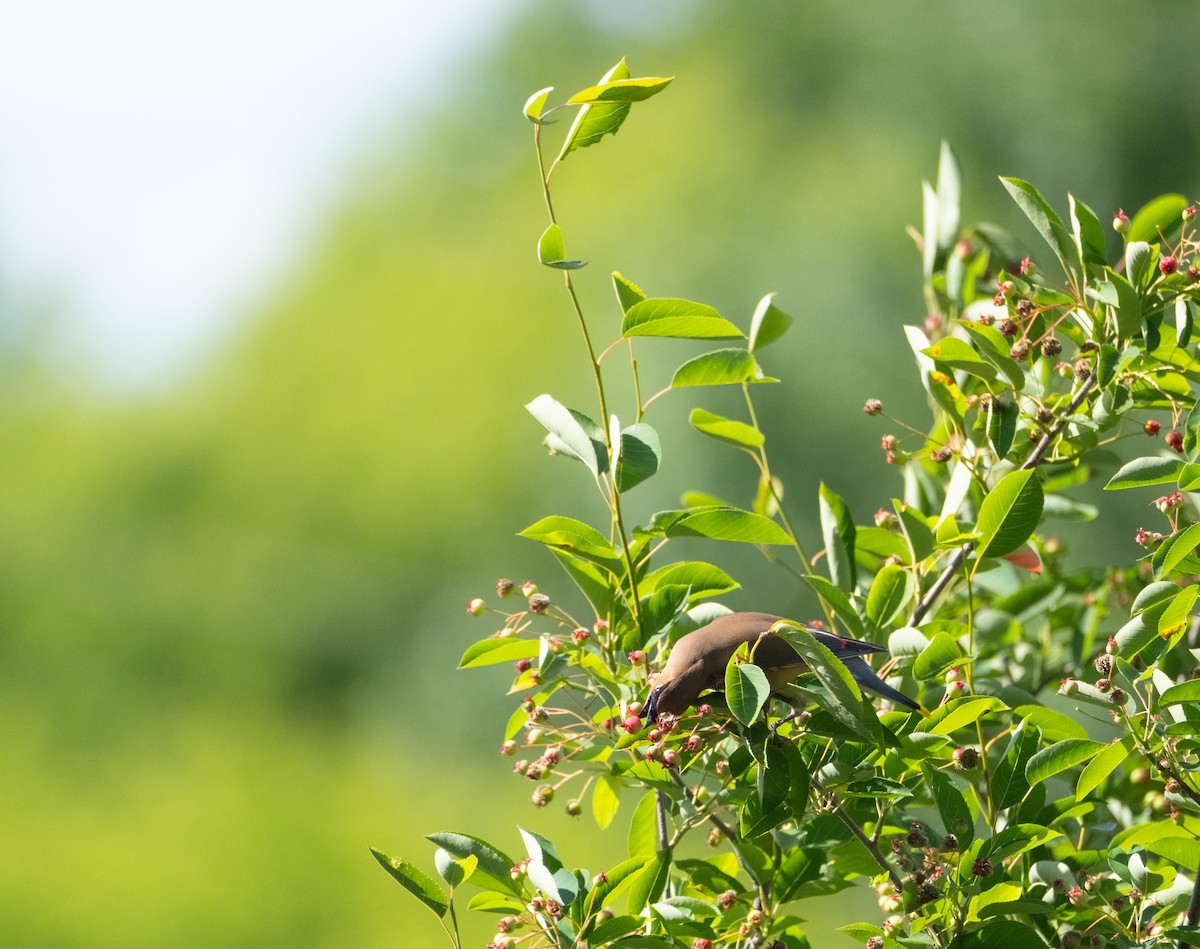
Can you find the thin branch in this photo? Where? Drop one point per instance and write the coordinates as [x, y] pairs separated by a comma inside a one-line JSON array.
[[1034, 459]]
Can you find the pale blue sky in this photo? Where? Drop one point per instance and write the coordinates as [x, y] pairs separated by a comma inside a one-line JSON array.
[[161, 162]]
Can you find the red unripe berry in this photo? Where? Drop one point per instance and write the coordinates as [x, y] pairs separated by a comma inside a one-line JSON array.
[[704, 711], [1151, 427], [1168, 265], [632, 724], [523, 665], [1121, 222], [580, 635], [701, 943], [1193, 273], [528, 588], [1189, 213], [1175, 440], [670, 757], [636, 656], [476, 607]]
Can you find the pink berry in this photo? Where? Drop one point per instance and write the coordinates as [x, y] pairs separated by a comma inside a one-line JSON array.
[[1175, 440], [1151, 427], [1168, 265], [476, 607], [632, 724]]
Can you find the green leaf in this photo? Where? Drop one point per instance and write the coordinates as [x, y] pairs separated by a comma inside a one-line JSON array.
[[493, 863], [951, 804], [746, 687], [640, 456], [571, 433], [1188, 691], [768, 324], [453, 871], [552, 251], [942, 653], [413, 880], [593, 122], [1088, 233], [1175, 616], [1128, 305], [845, 697], [728, 523], [1160, 214], [1042, 216], [628, 292], [1009, 514], [647, 885], [703, 579], [1054, 726], [1145, 471], [605, 800], [954, 353], [962, 712], [488, 901], [616, 879], [489, 652], [571, 536], [1009, 783], [949, 191], [890, 592], [838, 601], [1001, 425], [837, 528], [726, 430], [1000, 934], [622, 90], [1060, 756], [722, 367], [678, 319], [1182, 545], [1139, 263], [535, 103], [1101, 766]]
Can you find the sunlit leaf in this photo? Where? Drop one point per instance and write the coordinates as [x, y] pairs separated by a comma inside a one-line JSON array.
[[721, 367], [488, 652], [1145, 471], [593, 122], [746, 687], [1009, 514], [1061, 756], [413, 880], [768, 324], [552, 250], [680, 319]]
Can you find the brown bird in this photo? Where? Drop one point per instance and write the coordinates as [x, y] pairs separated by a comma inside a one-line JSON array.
[[698, 660]]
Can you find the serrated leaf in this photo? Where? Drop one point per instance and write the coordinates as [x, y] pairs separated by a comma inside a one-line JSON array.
[[1101, 766], [413, 880], [1181, 547], [942, 653], [729, 431], [837, 529], [489, 652], [628, 292], [641, 454], [1009, 514], [593, 122], [1159, 214], [571, 536], [575, 434], [727, 523], [1042, 216], [678, 319], [768, 324], [622, 90], [552, 250], [535, 103], [493, 863], [1009, 783], [1145, 471], [961, 713], [1060, 756], [721, 367], [746, 687], [891, 590]]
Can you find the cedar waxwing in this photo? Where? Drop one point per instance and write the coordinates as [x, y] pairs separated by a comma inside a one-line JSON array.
[[698, 660]]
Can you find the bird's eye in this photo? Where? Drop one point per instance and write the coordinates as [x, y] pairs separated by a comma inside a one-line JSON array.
[[658, 688]]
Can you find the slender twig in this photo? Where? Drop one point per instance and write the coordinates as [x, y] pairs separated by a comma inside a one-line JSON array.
[[860, 835], [1034, 459], [1193, 910]]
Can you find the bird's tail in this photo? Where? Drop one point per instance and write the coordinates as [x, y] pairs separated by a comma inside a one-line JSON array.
[[866, 677]]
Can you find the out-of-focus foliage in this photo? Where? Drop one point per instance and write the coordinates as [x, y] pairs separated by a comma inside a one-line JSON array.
[[230, 618]]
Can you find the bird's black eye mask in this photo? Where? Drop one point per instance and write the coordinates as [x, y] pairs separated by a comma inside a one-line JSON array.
[[650, 709]]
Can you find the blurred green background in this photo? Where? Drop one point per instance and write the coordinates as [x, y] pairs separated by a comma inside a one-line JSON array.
[[230, 611]]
